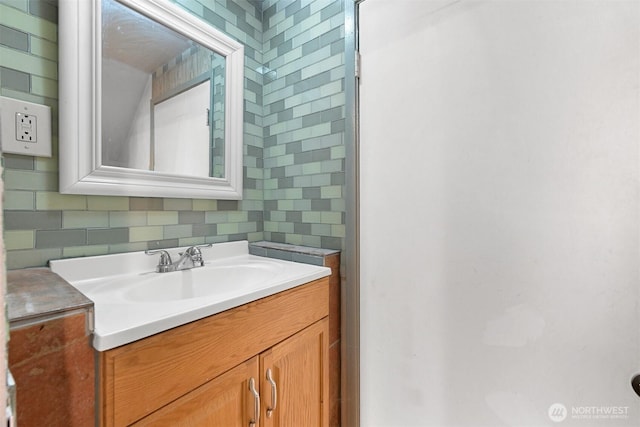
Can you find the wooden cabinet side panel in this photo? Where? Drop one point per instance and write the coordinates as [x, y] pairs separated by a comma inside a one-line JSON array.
[[53, 364], [223, 401], [152, 372], [299, 367], [105, 390]]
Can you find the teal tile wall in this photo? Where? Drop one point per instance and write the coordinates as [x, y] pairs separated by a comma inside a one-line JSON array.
[[41, 224], [303, 124], [293, 151]]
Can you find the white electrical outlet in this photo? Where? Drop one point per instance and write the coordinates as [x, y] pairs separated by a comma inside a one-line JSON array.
[[25, 127]]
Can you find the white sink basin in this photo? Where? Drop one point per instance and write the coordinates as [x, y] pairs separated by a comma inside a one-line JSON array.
[[201, 282], [132, 301]]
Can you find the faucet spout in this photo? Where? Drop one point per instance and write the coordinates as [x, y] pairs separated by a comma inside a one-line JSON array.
[[190, 258], [186, 261]]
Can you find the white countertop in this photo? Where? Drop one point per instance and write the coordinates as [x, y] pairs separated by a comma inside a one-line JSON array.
[[132, 301]]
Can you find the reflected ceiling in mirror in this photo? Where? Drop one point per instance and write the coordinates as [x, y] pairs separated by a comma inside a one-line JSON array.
[[148, 70], [165, 109]]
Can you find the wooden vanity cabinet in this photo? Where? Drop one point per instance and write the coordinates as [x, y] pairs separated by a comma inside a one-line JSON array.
[[223, 401], [199, 374], [301, 379]]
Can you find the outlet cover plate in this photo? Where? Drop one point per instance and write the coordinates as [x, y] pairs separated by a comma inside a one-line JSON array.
[[14, 136]]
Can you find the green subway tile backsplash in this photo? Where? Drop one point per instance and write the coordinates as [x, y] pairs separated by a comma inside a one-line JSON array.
[[14, 16], [104, 203], [179, 204], [45, 9], [26, 63], [60, 238], [146, 233], [145, 204], [206, 230], [84, 219], [191, 217], [17, 4], [19, 239], [43, 48], [31, 257], [14, 39], [24, 220], [107, 236], [294, 141], [13, 161], [50, 200], [14, 80], [18, 200], [79, 251], [127, 218], [177, 231]]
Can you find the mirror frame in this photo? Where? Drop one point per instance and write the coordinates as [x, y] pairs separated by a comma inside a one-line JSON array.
[[80, 153]]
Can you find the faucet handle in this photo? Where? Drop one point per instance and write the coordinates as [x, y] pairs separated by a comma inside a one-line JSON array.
[[196, 248], [165, 264], [195, 253]]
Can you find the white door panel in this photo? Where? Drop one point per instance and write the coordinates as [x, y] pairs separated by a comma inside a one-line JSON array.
[[499, 199]]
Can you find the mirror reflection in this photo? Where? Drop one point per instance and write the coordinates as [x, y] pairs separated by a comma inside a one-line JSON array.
[[163, 97]]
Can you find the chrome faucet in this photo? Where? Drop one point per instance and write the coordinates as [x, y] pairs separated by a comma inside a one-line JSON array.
[[190, 258]]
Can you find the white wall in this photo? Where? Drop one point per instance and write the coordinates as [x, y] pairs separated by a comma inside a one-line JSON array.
[[499, 204]]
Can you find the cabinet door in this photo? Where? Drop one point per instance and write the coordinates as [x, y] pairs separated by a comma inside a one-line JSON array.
[[298, 368], [225, 401]]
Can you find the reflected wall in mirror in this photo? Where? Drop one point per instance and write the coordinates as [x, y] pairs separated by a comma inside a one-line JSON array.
[[163, 88], [151, 102]]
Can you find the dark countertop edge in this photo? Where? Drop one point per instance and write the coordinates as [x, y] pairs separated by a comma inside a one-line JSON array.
[[39, 293], [24, 322], [306, 250]]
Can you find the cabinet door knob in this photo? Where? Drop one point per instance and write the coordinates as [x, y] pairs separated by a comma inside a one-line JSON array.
[[256, 402], [274, 394]]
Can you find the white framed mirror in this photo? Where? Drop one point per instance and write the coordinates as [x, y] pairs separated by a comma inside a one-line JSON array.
[[151, 102]]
